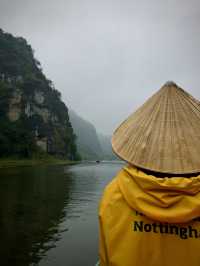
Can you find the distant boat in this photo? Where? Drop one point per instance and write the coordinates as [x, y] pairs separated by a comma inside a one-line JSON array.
[[97, 161]]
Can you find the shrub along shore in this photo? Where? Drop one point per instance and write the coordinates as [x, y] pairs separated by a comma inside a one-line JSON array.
[[15, 162]]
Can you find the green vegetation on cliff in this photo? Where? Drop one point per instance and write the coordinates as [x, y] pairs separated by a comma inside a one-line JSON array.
[[33, 118]]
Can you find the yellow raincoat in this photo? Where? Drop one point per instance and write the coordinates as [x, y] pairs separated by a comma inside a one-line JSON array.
[[150, 221]]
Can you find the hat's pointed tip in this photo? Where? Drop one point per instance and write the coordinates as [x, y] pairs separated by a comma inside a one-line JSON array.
[[170, 83], [169, 87]]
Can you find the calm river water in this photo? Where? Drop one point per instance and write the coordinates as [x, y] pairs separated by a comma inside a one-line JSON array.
[[48, 214]]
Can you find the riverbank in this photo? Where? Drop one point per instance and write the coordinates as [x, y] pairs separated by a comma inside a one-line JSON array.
[[10, 162]]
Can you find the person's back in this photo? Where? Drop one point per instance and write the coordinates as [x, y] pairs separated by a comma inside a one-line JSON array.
[[145, 220], [148, 220]]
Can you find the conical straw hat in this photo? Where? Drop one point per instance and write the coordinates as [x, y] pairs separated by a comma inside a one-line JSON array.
[[163, 135]]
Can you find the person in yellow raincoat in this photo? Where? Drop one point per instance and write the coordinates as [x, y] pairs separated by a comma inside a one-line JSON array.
[[149, 214]]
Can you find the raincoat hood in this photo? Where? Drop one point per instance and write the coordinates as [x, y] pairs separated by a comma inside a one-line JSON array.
[[172, 200]]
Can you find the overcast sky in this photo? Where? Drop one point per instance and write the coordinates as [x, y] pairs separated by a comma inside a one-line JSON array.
[[108, 56]]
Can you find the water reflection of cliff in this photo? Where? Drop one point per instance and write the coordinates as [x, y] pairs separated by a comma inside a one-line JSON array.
[[32, 202]]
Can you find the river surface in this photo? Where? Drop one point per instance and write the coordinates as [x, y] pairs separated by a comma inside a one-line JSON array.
[[48, 214]]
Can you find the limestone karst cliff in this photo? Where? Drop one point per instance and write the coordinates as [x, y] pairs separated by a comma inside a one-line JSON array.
[[32, 115]]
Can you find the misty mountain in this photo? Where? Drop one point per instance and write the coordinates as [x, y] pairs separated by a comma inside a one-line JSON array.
[[105, 142], [87, 139], [91, 144]]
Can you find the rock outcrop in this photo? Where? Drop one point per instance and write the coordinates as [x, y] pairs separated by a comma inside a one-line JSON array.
[[32, 115]]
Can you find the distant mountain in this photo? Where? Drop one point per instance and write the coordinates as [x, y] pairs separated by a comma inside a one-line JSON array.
[[33, 118], [91, 145], [88, 144], [105, 142]]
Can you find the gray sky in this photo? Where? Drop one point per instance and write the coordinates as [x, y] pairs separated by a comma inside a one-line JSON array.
[[108, 56]]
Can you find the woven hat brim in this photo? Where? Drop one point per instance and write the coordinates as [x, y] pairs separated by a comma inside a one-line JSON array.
[[183, 125]]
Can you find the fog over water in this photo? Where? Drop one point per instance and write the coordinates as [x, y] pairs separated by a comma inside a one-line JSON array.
[[108, 56]]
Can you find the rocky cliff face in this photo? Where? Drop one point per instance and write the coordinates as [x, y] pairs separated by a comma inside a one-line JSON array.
[[14, 110], [32, 114]]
